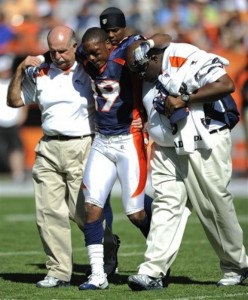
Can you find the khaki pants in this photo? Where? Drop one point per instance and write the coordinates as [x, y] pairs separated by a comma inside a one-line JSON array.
[[202, 178], [57, 176]]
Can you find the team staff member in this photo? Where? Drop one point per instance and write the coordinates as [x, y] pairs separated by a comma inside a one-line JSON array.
[[63, 92], [191, 77], [118, 149]]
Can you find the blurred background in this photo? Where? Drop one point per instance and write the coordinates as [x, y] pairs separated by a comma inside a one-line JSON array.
[[219, 26]]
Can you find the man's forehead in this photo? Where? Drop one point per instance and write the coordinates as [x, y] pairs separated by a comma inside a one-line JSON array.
[[92, 45], [93, 42], [113, 29], [58, 46]]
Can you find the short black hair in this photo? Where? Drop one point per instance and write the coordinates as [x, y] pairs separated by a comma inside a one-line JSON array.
[[94, 33]]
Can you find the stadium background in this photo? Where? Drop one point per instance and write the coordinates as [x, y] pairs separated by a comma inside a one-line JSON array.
[[219, 26]]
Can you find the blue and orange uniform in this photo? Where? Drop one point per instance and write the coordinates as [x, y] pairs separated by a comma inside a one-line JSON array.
[[118, 149]]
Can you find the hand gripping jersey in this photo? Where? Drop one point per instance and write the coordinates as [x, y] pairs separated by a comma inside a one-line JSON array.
[[117, 93]]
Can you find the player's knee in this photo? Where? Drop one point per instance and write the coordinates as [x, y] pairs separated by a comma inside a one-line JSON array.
[[141, 221], [137, 218], [92, 212]]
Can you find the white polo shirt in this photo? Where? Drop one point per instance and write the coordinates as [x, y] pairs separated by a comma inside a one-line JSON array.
[[64, 98]]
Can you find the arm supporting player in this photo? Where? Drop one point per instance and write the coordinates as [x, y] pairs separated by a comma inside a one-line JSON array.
[[158, 40]]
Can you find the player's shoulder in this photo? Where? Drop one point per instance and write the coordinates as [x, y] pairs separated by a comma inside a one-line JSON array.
[[120, 50], [130, 39]]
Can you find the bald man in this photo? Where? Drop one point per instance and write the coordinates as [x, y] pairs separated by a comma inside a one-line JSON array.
[[63, 92]]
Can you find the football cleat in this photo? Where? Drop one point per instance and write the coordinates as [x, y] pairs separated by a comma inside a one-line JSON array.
[[95, 282]]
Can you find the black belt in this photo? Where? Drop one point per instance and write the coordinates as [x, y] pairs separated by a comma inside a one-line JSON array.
[[219, 129], [67, 137]]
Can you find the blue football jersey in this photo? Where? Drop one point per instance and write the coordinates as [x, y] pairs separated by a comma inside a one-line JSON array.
[[117, 93]]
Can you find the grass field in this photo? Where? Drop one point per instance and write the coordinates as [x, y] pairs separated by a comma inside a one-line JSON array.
[[22, 261]]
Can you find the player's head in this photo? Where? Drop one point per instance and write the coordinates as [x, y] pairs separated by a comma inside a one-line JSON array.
[[96, 46], [113, 22], [150, 70]]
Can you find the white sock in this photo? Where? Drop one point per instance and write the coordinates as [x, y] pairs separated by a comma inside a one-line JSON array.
[[95, 254]]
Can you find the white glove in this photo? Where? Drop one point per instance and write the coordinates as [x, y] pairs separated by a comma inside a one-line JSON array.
[[140, 53]]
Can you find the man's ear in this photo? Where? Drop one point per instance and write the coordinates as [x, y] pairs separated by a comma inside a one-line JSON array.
[[154, 58]]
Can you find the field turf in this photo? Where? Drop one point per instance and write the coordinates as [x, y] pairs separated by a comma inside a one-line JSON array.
[[22, 261]]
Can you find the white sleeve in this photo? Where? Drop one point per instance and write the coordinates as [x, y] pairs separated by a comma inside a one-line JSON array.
[[212, 76]]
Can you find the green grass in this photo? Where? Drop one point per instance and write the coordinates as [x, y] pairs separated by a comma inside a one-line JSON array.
[[22, 261]]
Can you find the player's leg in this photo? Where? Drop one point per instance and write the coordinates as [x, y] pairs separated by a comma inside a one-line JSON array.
[[108, 213], [148, 206], [111, 241], [99, 178], [132, 173]]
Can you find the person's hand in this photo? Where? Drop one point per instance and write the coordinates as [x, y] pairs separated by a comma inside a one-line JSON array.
[[173, 103], [140, 53], [137, 123], [33, 61]]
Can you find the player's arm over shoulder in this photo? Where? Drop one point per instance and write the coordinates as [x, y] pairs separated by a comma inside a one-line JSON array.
[[159, 40]]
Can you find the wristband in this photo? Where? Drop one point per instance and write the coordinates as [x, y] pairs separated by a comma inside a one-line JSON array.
[[151, 43]]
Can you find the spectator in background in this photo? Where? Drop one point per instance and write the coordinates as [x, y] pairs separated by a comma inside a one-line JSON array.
[[173, 16], [244, 111], [11, 148], [241, 81], [84, 19], [7, 34]]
